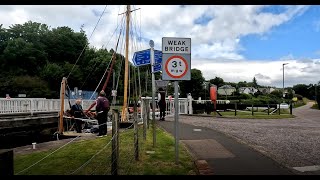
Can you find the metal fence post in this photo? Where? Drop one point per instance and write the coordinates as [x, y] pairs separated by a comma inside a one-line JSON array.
[[235, 109]]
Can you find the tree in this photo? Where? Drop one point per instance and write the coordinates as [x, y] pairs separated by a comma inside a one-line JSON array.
[[254, 82], [217, 81], [21, 57], [276, 93], [194, 86], [302, 89], [242, 84], [63, 44], [34, 87]]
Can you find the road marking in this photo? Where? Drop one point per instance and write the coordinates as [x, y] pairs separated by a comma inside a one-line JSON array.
[[307, 168], [197, 130]]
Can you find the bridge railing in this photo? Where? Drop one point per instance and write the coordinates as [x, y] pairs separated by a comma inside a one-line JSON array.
[[183, 106], [31, 105]]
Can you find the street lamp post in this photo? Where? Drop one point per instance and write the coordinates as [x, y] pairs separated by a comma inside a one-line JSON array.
[[283, 94]]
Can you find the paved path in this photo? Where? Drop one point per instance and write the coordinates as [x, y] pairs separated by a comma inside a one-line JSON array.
[[294, 142], [224, 155], [307, 114]]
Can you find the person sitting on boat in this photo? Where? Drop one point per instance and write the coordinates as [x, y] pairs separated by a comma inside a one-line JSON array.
[[77, 113]]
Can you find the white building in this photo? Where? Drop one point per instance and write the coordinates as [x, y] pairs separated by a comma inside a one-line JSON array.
[[226, 90]]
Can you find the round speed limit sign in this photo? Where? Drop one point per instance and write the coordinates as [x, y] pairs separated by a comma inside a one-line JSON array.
[[176, 67]]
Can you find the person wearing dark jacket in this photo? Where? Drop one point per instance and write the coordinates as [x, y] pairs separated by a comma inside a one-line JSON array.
[[102, 109], [162, 103], [77, 113]]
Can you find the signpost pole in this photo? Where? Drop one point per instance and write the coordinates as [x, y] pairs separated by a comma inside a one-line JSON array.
[[176, 63], [153, 93], [176, 118]]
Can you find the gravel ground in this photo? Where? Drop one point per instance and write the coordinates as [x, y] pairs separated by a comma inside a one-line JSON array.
[[292, 142]]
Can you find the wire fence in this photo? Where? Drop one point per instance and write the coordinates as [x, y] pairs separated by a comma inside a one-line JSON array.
[[101, 161]]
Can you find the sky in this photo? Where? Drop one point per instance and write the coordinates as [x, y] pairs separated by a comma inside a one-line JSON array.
[[235, 43]]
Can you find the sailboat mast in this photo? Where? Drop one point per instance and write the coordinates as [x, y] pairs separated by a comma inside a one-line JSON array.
[[124, 108]]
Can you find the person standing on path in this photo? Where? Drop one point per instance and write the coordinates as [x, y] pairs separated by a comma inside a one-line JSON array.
[[162, 103]]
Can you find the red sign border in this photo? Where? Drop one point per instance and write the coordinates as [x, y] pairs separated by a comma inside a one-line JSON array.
[[185, 71]]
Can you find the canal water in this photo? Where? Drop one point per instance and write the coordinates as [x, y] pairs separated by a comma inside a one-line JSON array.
[[28, 136]]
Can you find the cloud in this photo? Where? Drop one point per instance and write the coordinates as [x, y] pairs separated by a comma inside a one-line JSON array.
[[268, 73], [260, 76], [219, 37], [316, 25], [287, 57], [317, 53], [216, 43]]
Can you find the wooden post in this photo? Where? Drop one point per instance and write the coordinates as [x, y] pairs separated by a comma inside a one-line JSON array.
[[148, 112], [252, 109], [62, 94], [124, 107], [115, 142], [291, 108], [135, 116], [279, 109], [235, 109], [144, 120], [268, 109], [136, 135], [215, 108]]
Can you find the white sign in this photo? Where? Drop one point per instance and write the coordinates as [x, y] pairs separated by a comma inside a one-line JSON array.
[[176, 45], [176, 58]]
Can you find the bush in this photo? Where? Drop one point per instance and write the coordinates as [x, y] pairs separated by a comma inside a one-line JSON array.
[[245, 96], [298, 96]]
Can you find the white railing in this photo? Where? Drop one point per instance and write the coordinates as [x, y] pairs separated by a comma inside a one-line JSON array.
[[184, 106], [32, 105], [218, 101]]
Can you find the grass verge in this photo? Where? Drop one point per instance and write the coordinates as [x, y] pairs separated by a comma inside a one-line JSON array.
[[257, 115], [68, 159]]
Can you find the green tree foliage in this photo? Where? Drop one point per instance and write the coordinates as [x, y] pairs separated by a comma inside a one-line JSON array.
[[303, 90], [194, 86], [242, 84], [34, 50], [254, 82], [218, 81], [32, 86]]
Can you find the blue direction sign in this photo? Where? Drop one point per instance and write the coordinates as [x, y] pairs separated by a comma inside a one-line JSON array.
[[158, 56], [141, 58], [157, 67]]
